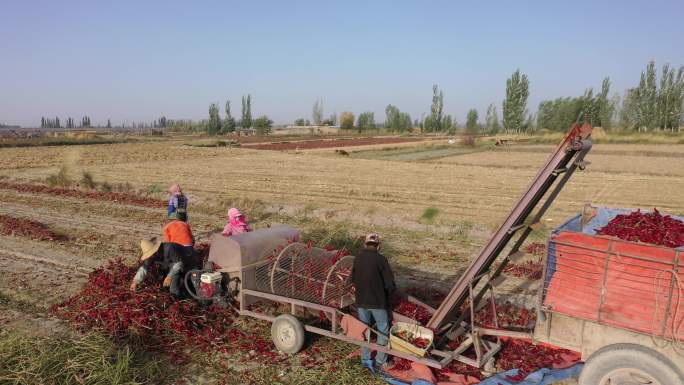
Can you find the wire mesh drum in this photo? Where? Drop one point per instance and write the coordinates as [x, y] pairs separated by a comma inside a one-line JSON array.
[[308, 273]]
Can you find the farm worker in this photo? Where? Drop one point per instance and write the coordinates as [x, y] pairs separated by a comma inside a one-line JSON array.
[[178, 203], [237, 223], [179, 232], [374, 281], [169, 256]]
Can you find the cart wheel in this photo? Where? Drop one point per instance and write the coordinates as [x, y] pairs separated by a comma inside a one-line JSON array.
[[628, 364], [288, 333]]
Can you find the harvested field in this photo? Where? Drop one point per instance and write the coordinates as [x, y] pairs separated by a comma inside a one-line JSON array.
[[383, 186], [330, 143]]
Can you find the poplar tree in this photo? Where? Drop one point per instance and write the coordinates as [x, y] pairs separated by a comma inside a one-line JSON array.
[[317, 113], [214, 123], [433, 122], [246, 119], [471, 122], [515, 104], [492, 119], [229, 121]]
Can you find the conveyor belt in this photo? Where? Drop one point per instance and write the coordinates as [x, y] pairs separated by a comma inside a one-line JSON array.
[[568, 156]]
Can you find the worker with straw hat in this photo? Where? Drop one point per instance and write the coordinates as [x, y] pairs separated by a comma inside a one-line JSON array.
[[374, 282], [169, 256]]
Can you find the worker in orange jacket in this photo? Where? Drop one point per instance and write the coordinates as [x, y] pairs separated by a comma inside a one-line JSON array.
[[177, 231]]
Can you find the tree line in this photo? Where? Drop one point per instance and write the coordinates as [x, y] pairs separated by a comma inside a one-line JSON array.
[[655, 103], [46, 122], [216, 126]]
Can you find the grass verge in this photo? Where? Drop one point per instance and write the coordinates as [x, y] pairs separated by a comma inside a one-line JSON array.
[[91, 359]]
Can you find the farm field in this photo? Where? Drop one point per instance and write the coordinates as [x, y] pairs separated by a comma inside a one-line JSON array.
[[434, 204]]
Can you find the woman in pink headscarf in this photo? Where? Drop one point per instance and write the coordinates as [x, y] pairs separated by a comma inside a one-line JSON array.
[[237, 223]]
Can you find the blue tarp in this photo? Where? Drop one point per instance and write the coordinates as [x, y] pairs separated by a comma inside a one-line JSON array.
[[540, 377]]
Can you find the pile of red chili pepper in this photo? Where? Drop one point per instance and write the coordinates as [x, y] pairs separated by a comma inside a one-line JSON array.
[[404, 307], [107, 304], [528, 357], [27, 228], [507, 316], [528, 269], [535, 248], [653, 228], [111, 196], [515, 353]]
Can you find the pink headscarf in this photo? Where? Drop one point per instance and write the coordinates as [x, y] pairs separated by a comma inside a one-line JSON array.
[[175, 189], [237, 223]]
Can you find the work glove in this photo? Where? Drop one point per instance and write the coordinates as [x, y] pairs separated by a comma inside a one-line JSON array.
[[167, 282]]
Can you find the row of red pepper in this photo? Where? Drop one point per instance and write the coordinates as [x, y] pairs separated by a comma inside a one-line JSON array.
[[29, 228], [110, 196]]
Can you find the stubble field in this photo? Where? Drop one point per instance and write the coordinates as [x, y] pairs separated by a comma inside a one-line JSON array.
[[385, 188]]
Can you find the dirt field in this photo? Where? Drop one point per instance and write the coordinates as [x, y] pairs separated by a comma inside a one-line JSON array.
[[385, 190], [330, 143]]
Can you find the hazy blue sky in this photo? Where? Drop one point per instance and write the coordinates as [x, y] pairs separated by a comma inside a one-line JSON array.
[[137, 60]]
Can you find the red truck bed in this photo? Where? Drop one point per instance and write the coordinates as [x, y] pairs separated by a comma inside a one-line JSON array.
[[619, 283]]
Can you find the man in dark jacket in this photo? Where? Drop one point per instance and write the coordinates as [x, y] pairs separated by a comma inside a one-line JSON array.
[[374, 282]]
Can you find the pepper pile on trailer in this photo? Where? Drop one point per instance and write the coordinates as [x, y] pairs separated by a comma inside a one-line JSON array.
[[620, 268]]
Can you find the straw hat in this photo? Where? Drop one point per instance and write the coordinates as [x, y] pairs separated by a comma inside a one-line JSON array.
[[149, 247], [372, 239]]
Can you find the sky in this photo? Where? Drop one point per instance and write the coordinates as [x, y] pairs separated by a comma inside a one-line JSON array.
[[138, 60]]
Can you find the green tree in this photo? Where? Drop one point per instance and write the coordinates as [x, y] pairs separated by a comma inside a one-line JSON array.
[[333, 119], [449, 124], [396, 120], [229, 124], [347, 120], [263, 125], [515, 104], [366, 121], [214, 123], [300, 122], [670, 98], [472, 126], [605, 109], [492, 119], [109, 123], [649, 106], [589, 107], [246, 119], [317, 113], [433, 123]]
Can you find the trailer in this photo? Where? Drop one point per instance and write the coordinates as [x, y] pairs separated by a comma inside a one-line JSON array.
[[616, 302]]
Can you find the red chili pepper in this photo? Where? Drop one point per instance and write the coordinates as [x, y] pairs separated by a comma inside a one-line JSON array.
[[653, 228], [24, 227]]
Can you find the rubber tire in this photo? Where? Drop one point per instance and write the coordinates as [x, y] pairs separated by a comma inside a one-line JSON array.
[[293, 342], [625, 356]]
